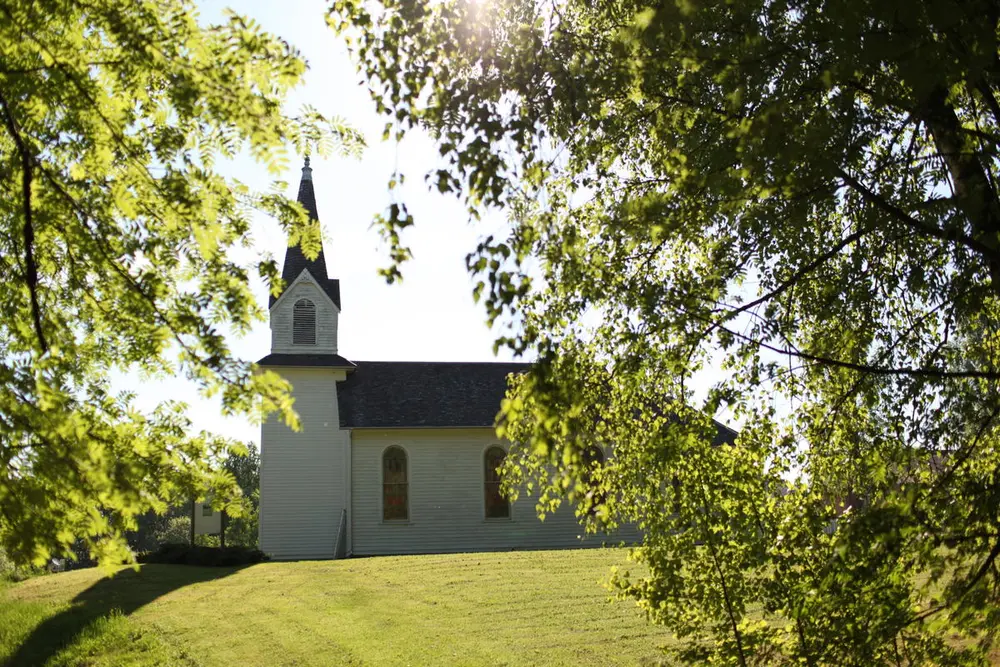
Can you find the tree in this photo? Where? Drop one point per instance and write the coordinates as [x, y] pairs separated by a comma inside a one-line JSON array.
[[150, 527], [793, 203], [115, 236], [242, 529]]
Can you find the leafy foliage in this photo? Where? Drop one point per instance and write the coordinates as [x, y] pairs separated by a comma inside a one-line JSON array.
[[11, 571], [242, 529], [175, 530], [793, 203], [115, 239]]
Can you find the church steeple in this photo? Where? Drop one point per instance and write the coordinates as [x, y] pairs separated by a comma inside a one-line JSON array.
[[307, 196], [295, 259]]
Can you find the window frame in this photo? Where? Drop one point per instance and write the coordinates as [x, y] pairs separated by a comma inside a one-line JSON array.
[[484, 478], [406, 485], [309, 307]]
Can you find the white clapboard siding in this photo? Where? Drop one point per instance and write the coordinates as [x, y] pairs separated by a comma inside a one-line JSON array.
[[446, 500], [304, 287], [303, 474]]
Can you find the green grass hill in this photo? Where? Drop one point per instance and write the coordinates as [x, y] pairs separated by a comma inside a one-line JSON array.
[[521, 608]]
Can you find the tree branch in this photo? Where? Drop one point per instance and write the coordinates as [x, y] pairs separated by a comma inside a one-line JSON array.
[[131, 282], [969, 179], [45, 68], [730, 612], [783, 287], [924, 228], [989, 99], [28, 230], [865, 368], [963, 454], [980, 573]]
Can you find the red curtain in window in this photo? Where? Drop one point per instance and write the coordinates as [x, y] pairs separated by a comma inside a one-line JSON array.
[[497, 506]]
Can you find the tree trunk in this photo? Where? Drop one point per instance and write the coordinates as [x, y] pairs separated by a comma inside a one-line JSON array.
[[969, 178]]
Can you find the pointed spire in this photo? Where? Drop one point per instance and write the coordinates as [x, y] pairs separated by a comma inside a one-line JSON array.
[[307, 196], [295, 259]]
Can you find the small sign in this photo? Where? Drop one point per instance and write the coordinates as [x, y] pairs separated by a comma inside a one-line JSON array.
[[207, 521]]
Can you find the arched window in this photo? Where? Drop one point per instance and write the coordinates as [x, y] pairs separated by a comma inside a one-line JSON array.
[[304, 323], [497, 506], [395, 491]]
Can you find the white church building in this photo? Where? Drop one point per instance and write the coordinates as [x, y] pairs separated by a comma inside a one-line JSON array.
[[392, 457]]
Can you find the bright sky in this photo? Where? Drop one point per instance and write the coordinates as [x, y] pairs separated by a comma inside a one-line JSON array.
[[430, 316]]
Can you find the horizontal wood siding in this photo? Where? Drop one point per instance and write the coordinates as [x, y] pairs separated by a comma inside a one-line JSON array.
[[446, 499], [302, 476]]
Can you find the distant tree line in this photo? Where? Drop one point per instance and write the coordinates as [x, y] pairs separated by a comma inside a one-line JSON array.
[[174, 526]]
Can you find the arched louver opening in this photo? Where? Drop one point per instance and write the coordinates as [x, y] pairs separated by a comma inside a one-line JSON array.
[[395, 486], [497, 506], [304, 323]]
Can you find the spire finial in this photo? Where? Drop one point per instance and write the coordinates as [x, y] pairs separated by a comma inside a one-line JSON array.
[[307, 172]]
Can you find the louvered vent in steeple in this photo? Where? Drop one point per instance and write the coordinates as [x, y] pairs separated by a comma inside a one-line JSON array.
[[304, 323]]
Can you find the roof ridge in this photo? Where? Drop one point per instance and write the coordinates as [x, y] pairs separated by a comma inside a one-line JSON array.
[[401, 361]]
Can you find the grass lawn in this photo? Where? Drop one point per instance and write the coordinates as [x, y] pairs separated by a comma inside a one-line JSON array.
[[520, 608]]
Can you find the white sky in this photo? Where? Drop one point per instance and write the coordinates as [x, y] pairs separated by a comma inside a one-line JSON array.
[[430, 316]]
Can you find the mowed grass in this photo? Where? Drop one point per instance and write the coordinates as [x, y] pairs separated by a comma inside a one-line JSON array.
[[520, 608]]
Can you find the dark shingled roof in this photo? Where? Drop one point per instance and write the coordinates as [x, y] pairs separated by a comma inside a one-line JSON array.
[[295, 259], [408, 394], [314, 360], [724, 434], [390, 394]]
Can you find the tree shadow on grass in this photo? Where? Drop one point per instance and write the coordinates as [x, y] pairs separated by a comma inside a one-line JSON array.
[[125, 591]]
